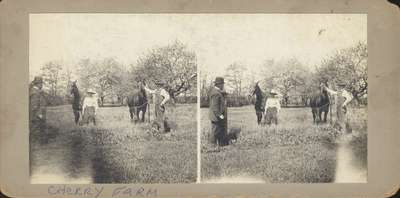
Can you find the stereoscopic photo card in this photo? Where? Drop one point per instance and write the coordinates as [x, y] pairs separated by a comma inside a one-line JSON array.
[[199, 99], [120, 99], [293, 109]]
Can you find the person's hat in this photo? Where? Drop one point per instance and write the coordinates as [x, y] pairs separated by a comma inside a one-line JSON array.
[[342, 84], [159, 82], [219, 80], [91, 91], [37, 79], [273, 92]]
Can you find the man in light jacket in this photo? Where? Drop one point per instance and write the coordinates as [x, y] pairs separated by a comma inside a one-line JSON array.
[[160, 98], [342, 99]]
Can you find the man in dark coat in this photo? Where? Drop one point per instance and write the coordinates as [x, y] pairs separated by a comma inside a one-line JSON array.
[[218, 113], [37, 106]]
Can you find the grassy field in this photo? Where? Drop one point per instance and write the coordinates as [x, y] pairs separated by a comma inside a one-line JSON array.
[[295, 151], [117, 150]]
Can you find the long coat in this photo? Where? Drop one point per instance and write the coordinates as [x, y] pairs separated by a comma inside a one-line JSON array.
[[37, 105], [37, 110], [217, 104]]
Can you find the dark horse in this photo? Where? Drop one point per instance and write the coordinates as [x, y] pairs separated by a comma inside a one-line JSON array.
[[319, 104], [76, 101], [137, 102], [259, 104]]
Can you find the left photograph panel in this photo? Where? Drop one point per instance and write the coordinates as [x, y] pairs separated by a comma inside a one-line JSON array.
[[112, 99]]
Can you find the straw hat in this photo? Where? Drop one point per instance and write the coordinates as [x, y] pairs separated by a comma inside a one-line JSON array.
[[160, 82], [91, 91], [341, 84], [273, 92]]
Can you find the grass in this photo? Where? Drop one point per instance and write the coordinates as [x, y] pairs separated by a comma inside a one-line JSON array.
[[295, 151], [117, 150]]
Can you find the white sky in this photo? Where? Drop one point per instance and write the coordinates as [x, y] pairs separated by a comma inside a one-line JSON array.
[[217, 39]]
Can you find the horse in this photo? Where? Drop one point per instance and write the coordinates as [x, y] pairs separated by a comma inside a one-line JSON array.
[[76, 102], [259, 104], [137, 102], [319, 103]]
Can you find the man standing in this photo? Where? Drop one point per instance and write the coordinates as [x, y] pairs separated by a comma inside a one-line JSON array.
[[342, 99], [218, 113], [37, 106], [160, 98]]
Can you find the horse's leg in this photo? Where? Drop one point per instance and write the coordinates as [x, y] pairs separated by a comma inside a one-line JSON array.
[[76, 115], [143, 113], [320, 115], [259, 117], [326, 113], [131, 113], [313, 115], [137, 111]]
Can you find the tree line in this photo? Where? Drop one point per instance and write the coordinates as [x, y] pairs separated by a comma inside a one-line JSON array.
[[113, 81], [296, 81]]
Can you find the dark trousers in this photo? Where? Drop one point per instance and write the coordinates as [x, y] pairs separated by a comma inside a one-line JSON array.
[[36, 126], [218, 133]]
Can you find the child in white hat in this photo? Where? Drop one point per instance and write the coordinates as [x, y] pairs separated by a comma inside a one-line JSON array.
[[89, 107], [272, 108]]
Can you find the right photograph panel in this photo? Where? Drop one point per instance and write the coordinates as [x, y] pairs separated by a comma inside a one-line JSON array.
[[284, 99]]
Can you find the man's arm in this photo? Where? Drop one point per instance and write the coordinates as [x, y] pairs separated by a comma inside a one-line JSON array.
[[149, 90], [96, 105], [43, 104], [278, 105], [165, 95], [84, 104], [267, 104], [330, 91]]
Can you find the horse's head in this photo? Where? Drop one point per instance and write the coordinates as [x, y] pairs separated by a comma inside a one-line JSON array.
[[74, 88], [256, 90]]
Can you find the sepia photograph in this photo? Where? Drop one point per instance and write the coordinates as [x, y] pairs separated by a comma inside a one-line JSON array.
[[112, 99], [178, 98], [284, 99]]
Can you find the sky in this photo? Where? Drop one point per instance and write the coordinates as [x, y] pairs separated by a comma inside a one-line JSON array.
[[217, 39]]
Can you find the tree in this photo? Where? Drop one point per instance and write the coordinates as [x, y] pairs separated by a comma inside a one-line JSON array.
[[106, 76], [51, 76], [174, 64], [234, 77], [289, 77], [348, 65]]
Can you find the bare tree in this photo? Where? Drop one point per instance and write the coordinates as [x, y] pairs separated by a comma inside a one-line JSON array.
[[106, 76], [289, 77], [51, 73], [235, 77]]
